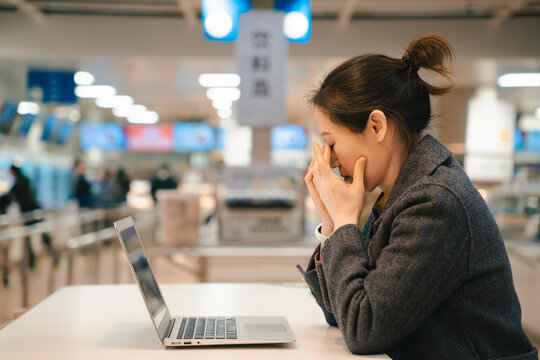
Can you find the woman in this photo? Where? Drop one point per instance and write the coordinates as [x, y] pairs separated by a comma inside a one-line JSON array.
[[427, 277]]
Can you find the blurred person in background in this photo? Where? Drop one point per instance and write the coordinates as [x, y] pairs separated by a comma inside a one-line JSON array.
[[123, 180], [162, 181], [81, 186], [22, 193]]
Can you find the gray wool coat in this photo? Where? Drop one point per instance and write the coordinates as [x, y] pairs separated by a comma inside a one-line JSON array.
[[429, 278]]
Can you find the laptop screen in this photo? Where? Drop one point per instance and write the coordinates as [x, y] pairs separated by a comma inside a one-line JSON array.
[[143, 274]]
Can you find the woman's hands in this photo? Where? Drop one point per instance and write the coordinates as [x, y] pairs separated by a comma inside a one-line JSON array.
[[342, 202], [327, 222]]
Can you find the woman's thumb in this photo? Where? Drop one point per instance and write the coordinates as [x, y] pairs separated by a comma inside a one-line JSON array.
[[359, 170]]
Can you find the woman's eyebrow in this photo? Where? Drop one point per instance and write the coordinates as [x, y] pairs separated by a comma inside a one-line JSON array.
[[325, 133]]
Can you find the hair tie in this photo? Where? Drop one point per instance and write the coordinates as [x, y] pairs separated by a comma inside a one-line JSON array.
[[409, 62]]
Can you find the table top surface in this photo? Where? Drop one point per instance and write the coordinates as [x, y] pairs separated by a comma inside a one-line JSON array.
[[111, 322]]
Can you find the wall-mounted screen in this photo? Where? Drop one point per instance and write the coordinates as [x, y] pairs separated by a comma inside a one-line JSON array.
[[64, 132], [7, 116], [26, 123], [102, 136], [288, 137], [193, 137], [50, 127], [149, 138]]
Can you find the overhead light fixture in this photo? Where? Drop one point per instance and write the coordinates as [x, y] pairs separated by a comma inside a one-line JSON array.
[[529, 123], [232, 94], [146, 117], [220, 18], [224, 113], [222, 104], [129, 110], [74, 115], [295, 25], [28, 107], [113, 102], [84, 78], [297, 21], [219, 80], [519, 80], [94, 91]]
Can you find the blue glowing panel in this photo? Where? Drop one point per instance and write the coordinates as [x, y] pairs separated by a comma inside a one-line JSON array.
[[222, 12], [9, 110], [26, 122], [102, 136], [193, 137], [300, 13], [50, 127], [56, 86], [532, 141], [288, 137], [66, 128]]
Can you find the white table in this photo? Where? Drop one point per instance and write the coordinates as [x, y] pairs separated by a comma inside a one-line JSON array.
[[111, 322]]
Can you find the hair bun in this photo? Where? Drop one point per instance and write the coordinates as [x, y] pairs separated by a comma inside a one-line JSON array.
[[430, 52]]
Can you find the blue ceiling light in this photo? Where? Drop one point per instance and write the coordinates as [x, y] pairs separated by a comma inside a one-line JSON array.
[[297, 22], [220, 18]]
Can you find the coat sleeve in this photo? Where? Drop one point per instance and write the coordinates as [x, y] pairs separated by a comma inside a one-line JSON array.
[[311, 276], [425, 260]]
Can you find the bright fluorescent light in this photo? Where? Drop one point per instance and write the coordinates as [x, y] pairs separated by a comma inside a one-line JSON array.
[[219, 80], [28, 107], [295, 25], [218, 24], [94, 91], [74, 115], [129, 110], [224, 113], [519, 80], [84, 78], [147, 117], [529, 123], [222, 104], [113, 102], [232, 94]]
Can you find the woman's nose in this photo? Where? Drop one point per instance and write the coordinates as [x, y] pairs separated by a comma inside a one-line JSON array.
[[334, 162]]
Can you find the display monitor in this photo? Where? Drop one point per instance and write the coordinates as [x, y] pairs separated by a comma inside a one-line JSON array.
[[7, 116], [26, 123], [66, 128], [156, 138], [288, 137], [193, 137], [50, 127], [102, 136], [532, 141]]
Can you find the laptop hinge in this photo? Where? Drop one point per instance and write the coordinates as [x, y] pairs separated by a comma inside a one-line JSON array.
[[170, 328]]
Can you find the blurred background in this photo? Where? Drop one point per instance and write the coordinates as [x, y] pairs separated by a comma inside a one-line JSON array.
[[192, 117]]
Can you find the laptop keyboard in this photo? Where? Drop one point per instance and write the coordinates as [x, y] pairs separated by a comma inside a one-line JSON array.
[[208, 328]]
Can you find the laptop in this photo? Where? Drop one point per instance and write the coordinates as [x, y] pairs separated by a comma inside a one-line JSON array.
[[194, 330]]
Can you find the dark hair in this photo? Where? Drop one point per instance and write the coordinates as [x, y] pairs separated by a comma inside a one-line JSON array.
[[352, 90], [16, 170]]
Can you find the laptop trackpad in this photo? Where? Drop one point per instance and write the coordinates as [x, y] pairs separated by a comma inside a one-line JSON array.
[[264, 327]]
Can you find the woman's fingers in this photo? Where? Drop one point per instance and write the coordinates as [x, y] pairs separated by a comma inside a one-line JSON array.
[[326, 153], [320, 162], [359, 171]]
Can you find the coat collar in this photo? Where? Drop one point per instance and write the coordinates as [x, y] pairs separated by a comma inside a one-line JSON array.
[[425, 158]]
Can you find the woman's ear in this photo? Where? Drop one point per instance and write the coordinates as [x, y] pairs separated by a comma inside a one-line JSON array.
[[378, 125]]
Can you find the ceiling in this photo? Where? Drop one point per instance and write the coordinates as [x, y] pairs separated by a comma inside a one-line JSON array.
[[167, 82], [342, 11]]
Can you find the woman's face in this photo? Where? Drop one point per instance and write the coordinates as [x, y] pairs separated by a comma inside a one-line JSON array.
[[347, 147]]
